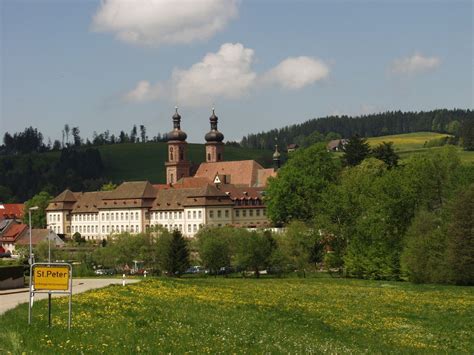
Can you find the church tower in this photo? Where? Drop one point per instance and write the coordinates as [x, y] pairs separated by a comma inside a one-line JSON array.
[[177, 165], [214, 145]]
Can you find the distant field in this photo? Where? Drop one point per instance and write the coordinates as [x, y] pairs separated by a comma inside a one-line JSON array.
[[146, 161], [209, 315], [413, 143], [409, 141]]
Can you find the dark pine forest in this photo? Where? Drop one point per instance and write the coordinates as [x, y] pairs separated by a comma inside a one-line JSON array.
[[457, 122]]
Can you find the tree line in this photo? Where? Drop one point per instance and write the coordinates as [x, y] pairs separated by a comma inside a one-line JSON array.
[[22, 176], [32, 141], [219, 250], [457, 122]]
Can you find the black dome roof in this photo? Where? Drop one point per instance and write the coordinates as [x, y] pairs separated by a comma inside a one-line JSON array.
[[177, 134], [214, 135]]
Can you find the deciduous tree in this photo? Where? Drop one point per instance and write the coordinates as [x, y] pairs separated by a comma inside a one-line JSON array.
[[294, 193]]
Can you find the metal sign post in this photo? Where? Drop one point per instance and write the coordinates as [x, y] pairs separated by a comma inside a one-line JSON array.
[[50, 278]]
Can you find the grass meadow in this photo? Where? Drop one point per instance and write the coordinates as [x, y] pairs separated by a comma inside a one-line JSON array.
[[225, 315], [413, 143]]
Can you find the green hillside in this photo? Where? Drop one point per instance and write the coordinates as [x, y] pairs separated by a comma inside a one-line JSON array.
[[124, 162], [407, 142], [413, 143]]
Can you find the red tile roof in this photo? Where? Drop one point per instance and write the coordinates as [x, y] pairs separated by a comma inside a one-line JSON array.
[[12, 211], [243, 172], [13, 232], [263, 176]]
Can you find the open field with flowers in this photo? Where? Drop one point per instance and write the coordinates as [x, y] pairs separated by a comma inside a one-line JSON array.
[[216, 315]]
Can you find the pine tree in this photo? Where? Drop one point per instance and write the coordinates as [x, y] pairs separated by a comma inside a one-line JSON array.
[[386, 153], [173, 253], [356, 150]]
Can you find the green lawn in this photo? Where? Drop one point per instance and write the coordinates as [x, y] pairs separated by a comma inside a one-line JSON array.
[[125, 162], [216, 315]]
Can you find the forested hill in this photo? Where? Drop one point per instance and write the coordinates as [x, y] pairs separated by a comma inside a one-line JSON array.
[[380, 124]]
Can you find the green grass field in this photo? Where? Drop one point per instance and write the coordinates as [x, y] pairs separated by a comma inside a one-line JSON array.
[[408, 141], [125, 162], [216, 315], [413, 143]]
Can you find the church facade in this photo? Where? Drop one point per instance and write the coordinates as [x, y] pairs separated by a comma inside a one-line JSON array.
[[219, 193]]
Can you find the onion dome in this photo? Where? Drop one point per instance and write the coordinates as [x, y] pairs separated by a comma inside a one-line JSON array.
[[276, 154], [214, 135], [177, 134]]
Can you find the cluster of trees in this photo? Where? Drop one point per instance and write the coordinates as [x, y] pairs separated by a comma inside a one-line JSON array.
[[23, 176], [217, 249], [457, 122], [123, 137], [32, 141], [374, 216]]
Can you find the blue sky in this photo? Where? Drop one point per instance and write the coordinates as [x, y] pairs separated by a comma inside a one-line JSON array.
[[263, 64]]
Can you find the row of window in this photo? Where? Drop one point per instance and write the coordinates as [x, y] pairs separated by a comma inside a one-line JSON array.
[[105, 229], [250, 213], [54, 217], [191, 227], [249, 202], [56, 229], [171, 215], [120, 216], [85, 229], [219, 213], [84, 217]]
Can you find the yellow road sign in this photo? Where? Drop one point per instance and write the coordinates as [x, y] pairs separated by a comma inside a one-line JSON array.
[[51, 278]]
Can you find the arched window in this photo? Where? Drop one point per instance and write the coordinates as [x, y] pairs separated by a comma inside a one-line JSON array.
[[219, 157], [171, 153], [208, 156]]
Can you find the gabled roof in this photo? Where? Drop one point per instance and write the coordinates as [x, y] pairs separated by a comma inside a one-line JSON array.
[[242, 172], [131, 190], [177, 199], [13, 232], [207, 191], [65, 196], [38, 236], [89, 201]]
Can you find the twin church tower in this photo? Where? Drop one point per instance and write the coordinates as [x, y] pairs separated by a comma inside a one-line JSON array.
[[178, 166]]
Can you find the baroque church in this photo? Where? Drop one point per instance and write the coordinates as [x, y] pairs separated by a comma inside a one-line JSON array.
[[219, 193]]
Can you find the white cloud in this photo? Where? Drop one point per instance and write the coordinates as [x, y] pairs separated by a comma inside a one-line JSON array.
[[417, 63], [296, 72], [227, 74], [140, 93], [155, 22]]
